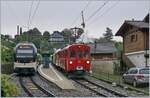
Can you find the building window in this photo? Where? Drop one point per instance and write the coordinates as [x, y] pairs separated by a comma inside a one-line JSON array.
[[134, 38]]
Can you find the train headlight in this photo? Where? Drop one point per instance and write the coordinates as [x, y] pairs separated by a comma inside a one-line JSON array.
[[70, 62], [88, 62]]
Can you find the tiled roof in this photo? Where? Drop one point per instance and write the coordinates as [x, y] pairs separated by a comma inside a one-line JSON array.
[[107, 47], [142, 24], [139, 24]]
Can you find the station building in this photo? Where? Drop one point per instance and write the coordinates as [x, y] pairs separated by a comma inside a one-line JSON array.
[[135, 34]]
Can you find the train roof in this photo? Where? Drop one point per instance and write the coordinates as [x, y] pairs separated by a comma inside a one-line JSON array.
[[68, 46], [71, 46], [26, 43], [74, 45], [57, 50]]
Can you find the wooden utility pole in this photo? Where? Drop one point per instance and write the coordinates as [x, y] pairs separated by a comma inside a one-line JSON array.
[[83, 23]]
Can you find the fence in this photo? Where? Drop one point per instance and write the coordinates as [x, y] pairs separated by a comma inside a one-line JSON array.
[[107, 76], [111, 66]]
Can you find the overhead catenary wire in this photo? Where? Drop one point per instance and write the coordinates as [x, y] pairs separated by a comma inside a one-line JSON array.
[[32, 18], [99, 17], [87, 5], [95, 12], [30, 10]]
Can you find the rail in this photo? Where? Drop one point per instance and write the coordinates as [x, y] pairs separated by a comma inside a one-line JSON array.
[[29, 91], [110, 93]]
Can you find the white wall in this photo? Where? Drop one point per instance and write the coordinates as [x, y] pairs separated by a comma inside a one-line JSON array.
[[107, 66], [137, 58]]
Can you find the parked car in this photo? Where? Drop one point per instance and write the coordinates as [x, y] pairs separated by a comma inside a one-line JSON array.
[[137, 76]]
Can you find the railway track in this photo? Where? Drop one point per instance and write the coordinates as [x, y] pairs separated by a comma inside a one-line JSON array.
[[45, 80], [100, 90], [122, 86], [33, 89]]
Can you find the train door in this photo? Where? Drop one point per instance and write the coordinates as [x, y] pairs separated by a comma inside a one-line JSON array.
[[80, 61], [87, 58], [72, 59]]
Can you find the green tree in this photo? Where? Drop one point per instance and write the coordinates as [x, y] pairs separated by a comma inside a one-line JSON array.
[[37, 42], [108, 35], [46, 35], [36, 32], [119, 46], [67, 33], [70, 35]]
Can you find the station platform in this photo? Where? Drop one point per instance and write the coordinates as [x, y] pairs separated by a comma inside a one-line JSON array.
[[51, 74]]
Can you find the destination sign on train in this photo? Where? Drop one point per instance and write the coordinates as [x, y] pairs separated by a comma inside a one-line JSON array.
[[24, 46]]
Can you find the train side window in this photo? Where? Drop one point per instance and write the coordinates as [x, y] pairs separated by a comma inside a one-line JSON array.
[[65, 53], [72, 53]]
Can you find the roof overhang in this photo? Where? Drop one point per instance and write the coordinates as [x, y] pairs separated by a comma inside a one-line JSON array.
[[138, 24]]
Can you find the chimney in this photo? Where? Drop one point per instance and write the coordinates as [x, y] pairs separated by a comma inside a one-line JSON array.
[[20, 30], [17, 29]]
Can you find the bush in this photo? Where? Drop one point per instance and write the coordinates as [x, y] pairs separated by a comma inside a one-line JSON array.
[[8, 89], [6, 54]]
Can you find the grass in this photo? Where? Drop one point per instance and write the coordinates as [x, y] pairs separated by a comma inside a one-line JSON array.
[[118, 79], [106, 76], [9, 88]]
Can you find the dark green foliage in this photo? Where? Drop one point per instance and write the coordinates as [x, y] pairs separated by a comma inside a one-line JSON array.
[[119, 46], [28, 35], [45, 45], [36, 42], [33, 35], [39, 58], [71, 35], [8, 89], [7, 54], [108, 35], [7, 46], [66, 33], [46, 35]]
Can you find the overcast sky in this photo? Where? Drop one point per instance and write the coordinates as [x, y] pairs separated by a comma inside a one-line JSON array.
[[57, 15]]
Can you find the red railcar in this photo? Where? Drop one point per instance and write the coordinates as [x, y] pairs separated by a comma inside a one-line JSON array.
[[73, 58]]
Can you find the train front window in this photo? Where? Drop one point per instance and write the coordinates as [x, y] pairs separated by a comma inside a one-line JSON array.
[[72, 54], [86, 53], [24, 51], [79, 53]]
